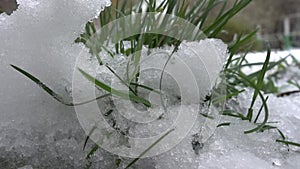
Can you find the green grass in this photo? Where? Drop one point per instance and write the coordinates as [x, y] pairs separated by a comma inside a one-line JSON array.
[[294, 83], [149, 148], [122, 94], [53, 94], [199, 15]]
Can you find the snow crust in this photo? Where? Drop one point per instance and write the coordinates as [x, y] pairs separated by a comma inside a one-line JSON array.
[[38, 132], [35, 130]]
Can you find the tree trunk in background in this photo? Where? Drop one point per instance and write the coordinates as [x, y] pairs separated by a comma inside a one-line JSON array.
[[8, 6]]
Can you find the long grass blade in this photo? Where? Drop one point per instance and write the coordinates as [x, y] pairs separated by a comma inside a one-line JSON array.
[[149, 148], [39, 83], [51, 92], [266, 110], [259, 84], [110, 69], [288, 143], [123, 95]]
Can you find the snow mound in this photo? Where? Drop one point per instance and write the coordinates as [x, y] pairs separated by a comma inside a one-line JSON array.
[[36, 131], [190, 74]]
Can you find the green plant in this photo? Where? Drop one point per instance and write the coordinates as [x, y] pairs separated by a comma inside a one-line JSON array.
[[237, 79]]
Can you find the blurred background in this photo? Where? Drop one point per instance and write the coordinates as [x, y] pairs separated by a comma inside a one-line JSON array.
[[277, 21]]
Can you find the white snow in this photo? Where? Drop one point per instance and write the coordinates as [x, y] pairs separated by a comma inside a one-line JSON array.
[[38, 132], [39, 37], [260, 57]]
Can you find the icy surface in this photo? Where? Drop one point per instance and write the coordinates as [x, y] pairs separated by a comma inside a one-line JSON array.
[[230, 148], [38, 132], [189, 76]]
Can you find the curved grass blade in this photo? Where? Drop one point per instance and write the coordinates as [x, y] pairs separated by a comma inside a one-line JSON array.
[[259, 83], [149, 148], [234, 114], [223, 124], [51, 92], [259, 127], [267, 127], [294, 83], [220, 22], [253, 85], [88, 136], [89, 101], [281, 134], [162, 75], [118, 93], [39, 83], [207, 116]]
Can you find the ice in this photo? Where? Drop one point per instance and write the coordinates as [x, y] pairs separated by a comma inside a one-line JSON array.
[[26, 167], [283, 110], [190, 75], [195, 66], [38, 132], [39, 36], [228, 148]]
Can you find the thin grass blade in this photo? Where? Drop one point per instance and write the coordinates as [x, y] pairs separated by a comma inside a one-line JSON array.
[[149, 148], [118, 93]]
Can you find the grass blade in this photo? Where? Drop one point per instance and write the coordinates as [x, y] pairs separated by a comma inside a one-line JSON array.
[[288, 143], [258, 114], [253, 85], [118, 93], [51, 92], [110, 69], [39, 83], [88, 136], [93, 150], [259, 84], [145, 87], [149, 148], [223, 124]]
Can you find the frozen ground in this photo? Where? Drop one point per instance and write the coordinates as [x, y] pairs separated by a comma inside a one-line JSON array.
[[38, 132]]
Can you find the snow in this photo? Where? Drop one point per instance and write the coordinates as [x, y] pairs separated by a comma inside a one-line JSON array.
[[34, 129], [260, 57], [38, 132], [188, 78]]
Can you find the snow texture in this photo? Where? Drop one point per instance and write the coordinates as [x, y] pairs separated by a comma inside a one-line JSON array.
[[38, 132]]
